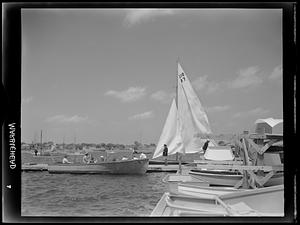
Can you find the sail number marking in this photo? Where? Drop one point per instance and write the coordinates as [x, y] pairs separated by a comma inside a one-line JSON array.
[[182, 77]]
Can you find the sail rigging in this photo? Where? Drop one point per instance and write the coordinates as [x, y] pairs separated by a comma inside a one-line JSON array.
[[187, 121]]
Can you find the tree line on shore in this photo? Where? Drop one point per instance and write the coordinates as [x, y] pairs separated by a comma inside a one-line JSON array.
[[80, 146]]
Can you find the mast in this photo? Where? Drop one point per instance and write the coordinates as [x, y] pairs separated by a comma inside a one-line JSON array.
[[176, 96], [41, 141], [178, 157], [75, 142]]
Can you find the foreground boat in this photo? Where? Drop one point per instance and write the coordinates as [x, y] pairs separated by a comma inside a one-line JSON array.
[[135, 166], [267, 201]]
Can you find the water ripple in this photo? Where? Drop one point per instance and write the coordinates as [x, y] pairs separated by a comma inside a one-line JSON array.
[[45, 194]]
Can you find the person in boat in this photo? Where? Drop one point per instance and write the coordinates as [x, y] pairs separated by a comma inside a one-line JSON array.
[[205, 146], [93, 160], [165, 154], [65, 160], [143, 156], [86, 158]]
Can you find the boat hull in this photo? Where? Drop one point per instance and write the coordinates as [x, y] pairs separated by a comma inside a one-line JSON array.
[[223, 179], [267, 201], [228, 178], [205, 192], [138, 166]]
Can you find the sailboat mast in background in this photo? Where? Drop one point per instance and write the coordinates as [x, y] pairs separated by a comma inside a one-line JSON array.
[[41, 141]]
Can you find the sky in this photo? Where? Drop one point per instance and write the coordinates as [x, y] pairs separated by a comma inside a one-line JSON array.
[[109, 75]]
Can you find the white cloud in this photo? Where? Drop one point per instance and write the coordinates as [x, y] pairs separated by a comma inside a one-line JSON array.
[[130, 95], [162, 96], [136, 16], [27, 100], [141, 116], [66, 119], [202, 83], [254, 112], [246, 78], [217, 108], [276, 73]]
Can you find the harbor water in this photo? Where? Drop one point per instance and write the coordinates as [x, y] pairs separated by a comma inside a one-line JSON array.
[[45, 194]]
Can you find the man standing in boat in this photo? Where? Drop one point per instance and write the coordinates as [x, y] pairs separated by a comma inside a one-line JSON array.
[[92, 160], [165, 154], [205, 146], [86, 158]]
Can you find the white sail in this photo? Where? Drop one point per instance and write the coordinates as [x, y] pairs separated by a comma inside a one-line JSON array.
[[170, 134], [187, 123], [194, 119], [196, 109]]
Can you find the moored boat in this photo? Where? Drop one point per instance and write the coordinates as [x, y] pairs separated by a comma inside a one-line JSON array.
[[135, 166], [205, 191], [267, 201], [230, 178], [223, 178]]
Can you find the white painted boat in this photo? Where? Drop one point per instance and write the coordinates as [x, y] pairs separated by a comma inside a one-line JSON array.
[[205, 191], [163, 210], [223, 178], [231, 178], [136, 166], [267, 202]]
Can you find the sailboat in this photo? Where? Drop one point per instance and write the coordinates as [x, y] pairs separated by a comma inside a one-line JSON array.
[[186, 128], [187, 124]]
